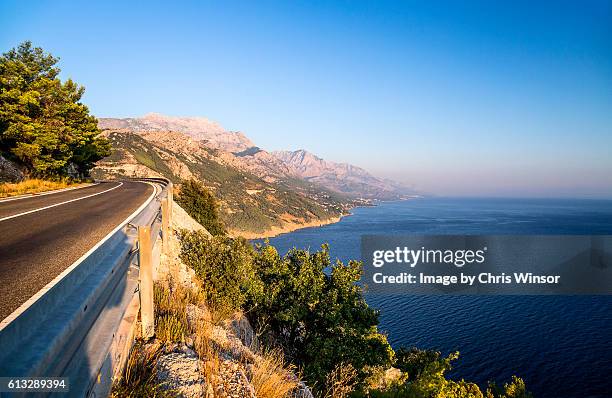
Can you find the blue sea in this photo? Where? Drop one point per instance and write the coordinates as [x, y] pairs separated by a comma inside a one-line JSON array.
[[560, 345]]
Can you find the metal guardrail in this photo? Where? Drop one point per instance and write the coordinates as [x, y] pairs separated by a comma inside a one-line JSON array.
[[82, 327]]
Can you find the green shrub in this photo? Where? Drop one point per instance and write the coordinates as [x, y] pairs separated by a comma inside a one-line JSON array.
[[316, 312], [515, 389], [426, 378], [319, 318], [414, 361], [224, 265], [200, 204]]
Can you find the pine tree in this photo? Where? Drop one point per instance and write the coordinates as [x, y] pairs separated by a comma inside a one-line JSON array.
[[43, 125]]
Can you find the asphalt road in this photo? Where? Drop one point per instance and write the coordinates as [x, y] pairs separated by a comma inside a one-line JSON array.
[[37, 246]]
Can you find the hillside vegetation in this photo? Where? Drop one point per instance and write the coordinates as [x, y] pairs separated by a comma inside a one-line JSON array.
[[315, 312], [249, 205]]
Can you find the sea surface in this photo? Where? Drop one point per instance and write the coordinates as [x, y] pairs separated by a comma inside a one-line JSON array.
[[560, 345]]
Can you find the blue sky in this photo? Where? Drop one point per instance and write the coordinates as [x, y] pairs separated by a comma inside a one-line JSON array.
[[454, 98]]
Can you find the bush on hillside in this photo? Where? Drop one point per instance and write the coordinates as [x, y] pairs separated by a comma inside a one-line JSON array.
[[515, 389], [320, 318], [425, 377], [201, 205], [43, 124], [224, 265], [414, 361], [316, 313]]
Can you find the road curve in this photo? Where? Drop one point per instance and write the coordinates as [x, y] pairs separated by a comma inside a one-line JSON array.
[[41, 236]]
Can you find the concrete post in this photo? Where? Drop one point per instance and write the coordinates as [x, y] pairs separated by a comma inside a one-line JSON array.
[[165, 205], [145, 253]]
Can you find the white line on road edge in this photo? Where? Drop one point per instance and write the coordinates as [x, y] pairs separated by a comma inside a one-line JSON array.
[[35, 195], [4, 323], [59, 204]]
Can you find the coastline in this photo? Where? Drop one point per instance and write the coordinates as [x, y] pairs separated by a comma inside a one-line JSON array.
[[291, 226], [288, 227]]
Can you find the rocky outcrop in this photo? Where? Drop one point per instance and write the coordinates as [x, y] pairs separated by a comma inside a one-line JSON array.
[[9, 171], [179, 369]]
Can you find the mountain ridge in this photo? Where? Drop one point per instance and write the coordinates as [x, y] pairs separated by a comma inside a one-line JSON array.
[[343, 178], [250, 206], [198, 128]]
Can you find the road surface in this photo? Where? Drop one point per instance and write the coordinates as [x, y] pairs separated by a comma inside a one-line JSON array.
[[43, 235]]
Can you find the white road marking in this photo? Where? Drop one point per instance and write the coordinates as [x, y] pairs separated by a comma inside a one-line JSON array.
[[4, 323], [59, 204], [35, 195]]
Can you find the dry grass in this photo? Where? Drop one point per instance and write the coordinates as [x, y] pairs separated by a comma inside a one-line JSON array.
[[139, 378], [31, 186], [171, 301], [171, 328], [270, 377], [341, 382]]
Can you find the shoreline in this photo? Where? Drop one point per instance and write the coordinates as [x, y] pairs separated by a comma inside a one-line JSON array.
[[288, 227]]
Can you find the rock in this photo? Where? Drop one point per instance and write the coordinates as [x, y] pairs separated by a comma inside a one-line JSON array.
[[302, 391], [235, 382], [181, 372], [182, 220], [197, 314], [243, 330], [198, 128], [219, 336], [73, 171], [9, 172], [171, 265]]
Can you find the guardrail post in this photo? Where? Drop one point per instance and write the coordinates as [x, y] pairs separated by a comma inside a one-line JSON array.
[[170, 202], [166, 209], [145, 253]]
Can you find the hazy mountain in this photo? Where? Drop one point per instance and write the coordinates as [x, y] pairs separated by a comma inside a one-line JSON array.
[[341, 177], [235, 144], [240, 152], [199, 128]]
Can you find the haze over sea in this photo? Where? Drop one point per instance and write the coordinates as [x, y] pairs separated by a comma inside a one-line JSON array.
[[560, 345]]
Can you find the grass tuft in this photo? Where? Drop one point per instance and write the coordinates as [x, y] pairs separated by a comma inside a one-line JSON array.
[[270, 377], [139, 379], [341, 382], [171, 301]]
